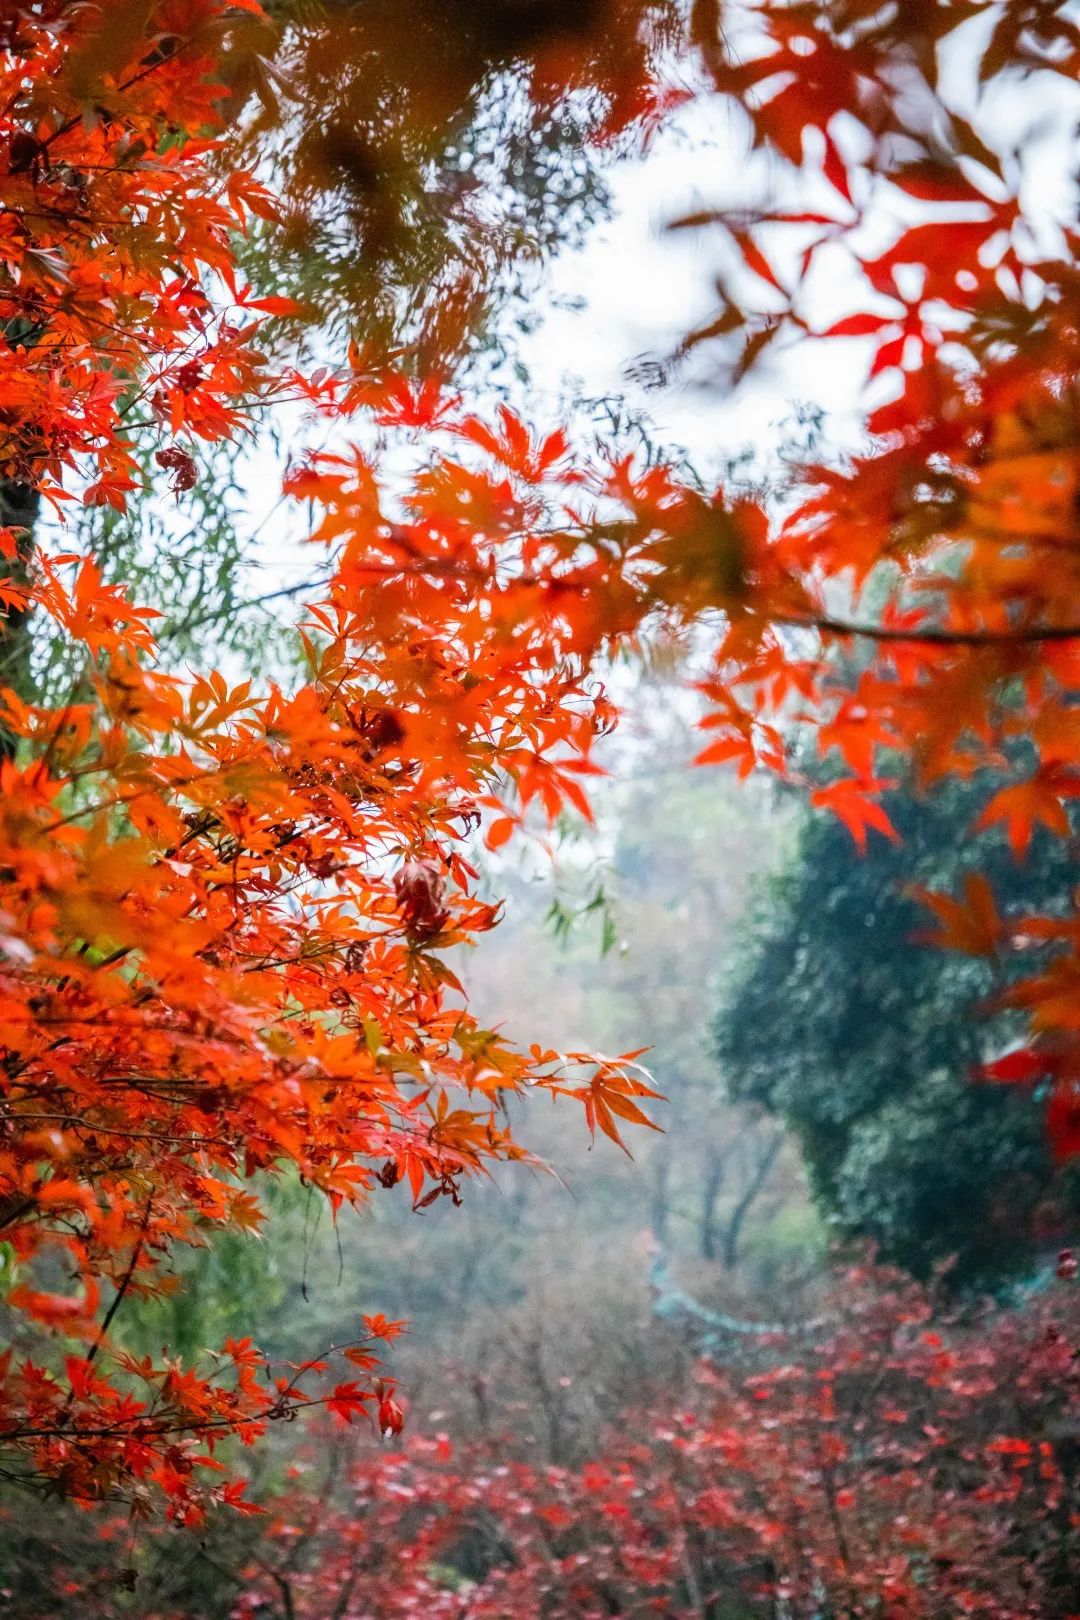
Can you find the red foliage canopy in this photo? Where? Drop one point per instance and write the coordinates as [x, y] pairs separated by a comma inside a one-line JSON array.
[[225, 909]]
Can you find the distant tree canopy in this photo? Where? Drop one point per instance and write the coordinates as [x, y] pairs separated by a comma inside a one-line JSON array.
[[841, 1020]]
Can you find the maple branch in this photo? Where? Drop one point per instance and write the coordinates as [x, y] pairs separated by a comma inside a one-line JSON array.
[[290, 1398], [160, 58], [122, 1288], [196, 621], [933, 637], [191, 1141], [13, 1209]]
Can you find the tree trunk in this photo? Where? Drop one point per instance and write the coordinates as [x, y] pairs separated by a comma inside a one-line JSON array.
[[714, 1178], [19, 504], [743, 1207]]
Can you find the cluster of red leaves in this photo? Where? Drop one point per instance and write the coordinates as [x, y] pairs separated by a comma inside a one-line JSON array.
[[957, 523], [114, 226], [905, 1466], [225, 912]]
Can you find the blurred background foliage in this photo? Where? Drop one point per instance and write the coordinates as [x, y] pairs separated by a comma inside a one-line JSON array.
[[460, 145]]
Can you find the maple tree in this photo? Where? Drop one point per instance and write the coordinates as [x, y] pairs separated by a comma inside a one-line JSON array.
[[225, 910], [226, 907]]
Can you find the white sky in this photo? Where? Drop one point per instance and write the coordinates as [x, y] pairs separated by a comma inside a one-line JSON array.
[[641, 288]]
